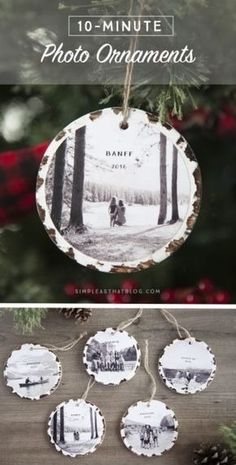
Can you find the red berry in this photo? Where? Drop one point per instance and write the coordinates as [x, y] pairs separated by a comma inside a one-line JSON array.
[[182, 293], [88, 286], [226, 123], [222, 297], [205, 285], [130, 284], [210, 298], [168, 296], [192, 299], [126, 299], [70, 289], [114, 298]]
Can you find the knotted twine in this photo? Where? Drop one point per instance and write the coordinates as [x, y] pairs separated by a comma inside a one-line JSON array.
[[173, 321], [129, 69]]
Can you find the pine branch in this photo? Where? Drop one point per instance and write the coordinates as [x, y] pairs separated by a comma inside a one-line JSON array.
[[164, 100], [229, 433], [28, 319]]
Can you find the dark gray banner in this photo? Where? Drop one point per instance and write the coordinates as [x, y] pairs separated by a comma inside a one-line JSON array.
[[89, 42]]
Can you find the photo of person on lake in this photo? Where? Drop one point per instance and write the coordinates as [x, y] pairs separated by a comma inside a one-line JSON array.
[[32, 371], [134, 188], [111, 356]]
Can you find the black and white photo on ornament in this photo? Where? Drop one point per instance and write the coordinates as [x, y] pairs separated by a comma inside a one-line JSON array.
[[187, 379], [32, 371], [187, 365], [111, 356], [149, 428], [129, 186], [106, 357], [147, 436], [76, 427]]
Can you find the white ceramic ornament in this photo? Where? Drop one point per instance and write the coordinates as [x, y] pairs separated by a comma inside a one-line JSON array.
[[149, 428], [76, 427], [32, 371], [118, 200], [111, 356], [187, 366]]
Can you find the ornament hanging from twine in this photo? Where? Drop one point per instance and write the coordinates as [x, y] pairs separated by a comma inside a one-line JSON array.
[[113, 356], [77, 427], [33, 371], [149, 427], [117, 190], [187, 365]]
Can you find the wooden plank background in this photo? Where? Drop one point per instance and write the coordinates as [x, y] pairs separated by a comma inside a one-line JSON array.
[[23, 423]]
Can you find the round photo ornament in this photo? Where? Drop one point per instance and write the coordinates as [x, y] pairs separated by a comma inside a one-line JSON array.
[[118, 198], [187, 365], [32, 371], [149, 428], [112, 356], [76, 427]]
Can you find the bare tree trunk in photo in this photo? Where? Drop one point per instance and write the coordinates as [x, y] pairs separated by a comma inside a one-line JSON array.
[[174, 188], [57, 194], [95, 425], [163, 181], [62, 432], [76, 214], [91, 422], [55, 427]]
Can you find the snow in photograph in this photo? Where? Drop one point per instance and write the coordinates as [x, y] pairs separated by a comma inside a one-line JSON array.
[[118, 195], [76, 427]]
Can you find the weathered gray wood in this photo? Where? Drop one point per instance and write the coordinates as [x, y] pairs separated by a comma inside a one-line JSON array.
[[23, 423]]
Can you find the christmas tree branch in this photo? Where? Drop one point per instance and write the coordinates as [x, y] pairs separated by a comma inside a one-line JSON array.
[[229, 433], [28, 319]]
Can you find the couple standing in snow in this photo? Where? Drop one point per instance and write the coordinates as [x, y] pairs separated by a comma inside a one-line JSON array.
[[116, 212]]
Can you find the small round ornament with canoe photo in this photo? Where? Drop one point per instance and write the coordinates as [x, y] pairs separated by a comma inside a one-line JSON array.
[[118, 198]]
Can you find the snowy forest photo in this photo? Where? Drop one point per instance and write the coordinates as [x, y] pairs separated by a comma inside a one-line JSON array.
[[76, 427], [117, 195]]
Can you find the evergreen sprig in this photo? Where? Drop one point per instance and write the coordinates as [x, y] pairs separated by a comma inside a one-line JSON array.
[[28, 319], [229, 433]]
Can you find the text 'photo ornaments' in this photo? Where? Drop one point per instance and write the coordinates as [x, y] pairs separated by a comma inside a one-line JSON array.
[[118, 198], [149, 427], [187, 365], [76, 427], [32, 371]]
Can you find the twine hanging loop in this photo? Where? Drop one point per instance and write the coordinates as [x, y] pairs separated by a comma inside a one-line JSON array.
[[89, 386], [173, 321], [125, 324], [149, 372], [129, 70], [70, 345]]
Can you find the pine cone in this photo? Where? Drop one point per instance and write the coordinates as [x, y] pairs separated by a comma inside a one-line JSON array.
[[216, 454], [79, 314]]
